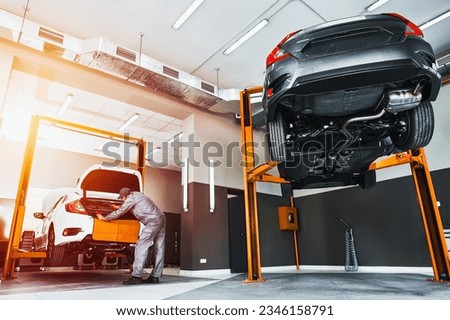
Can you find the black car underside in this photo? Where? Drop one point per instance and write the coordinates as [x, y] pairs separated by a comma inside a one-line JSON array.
[[328, 140]]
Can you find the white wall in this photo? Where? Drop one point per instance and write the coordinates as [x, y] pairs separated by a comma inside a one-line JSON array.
[[219, 136]]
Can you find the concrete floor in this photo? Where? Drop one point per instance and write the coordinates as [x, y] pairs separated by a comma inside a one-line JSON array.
[[288, 285]]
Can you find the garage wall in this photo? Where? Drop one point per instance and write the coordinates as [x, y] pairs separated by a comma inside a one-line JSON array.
[[218, 137], [386, 223], [204, 236]]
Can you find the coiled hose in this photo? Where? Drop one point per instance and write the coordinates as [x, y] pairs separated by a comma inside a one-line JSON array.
[[351, 261]]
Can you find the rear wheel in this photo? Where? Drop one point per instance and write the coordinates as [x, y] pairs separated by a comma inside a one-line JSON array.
[[418, 127], [277, 136], [55, 254]]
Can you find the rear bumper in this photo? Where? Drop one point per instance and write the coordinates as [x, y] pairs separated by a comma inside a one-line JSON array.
[[379, 66]]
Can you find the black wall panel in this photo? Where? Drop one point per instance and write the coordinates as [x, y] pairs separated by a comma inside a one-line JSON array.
[[441, 181], [386, 223]]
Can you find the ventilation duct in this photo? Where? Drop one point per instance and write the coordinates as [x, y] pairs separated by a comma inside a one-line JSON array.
[[51, 35], [171, 72], [127, 54], [103, 55]]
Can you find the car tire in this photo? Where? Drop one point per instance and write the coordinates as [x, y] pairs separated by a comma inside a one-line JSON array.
[[368, 180], [55, 254], [419, 127], [277, 135]]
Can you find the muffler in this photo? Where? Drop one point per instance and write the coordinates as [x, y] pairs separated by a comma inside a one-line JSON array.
[[401, 100]]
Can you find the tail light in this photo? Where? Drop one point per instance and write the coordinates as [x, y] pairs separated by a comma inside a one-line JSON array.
[[75, 207], [411, 29], [269, 93], [278, 53]]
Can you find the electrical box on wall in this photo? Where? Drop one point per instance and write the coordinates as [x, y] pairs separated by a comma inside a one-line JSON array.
[[287, 218]]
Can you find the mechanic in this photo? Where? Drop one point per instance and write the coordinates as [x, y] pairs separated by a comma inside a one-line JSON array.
[[154, 232]]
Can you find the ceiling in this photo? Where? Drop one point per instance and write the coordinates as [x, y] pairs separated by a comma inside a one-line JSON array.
[[196, 48], [28, 95]]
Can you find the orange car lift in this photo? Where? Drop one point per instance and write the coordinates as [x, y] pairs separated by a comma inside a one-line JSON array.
[[426, 197], [428, 206], [13, 251], [252, 175]]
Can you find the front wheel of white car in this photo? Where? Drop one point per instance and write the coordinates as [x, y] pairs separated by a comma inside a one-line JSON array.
[[418, 127], [55, 254]]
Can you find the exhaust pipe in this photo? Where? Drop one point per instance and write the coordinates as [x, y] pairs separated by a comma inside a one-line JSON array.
[[332, 155]]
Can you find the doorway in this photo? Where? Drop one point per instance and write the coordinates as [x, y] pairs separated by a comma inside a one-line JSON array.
[[236, 231]]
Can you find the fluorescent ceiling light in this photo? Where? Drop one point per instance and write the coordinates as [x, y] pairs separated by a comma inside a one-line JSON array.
[[129, 121], [376, 5], [194, 6], [65, 105], [435, 20], [246, 36]]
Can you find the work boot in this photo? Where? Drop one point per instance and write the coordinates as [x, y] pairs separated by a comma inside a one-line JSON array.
[[132, 280], [151, 279]]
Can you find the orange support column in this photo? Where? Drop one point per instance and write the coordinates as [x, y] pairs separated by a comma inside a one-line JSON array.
[[426, 198], [294, 233], [430, 216], [251, 207], [19, 208]]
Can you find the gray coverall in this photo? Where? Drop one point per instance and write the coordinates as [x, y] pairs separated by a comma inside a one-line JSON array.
[[154, 231]]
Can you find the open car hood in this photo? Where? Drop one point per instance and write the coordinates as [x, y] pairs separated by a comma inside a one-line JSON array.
[[109, 179]]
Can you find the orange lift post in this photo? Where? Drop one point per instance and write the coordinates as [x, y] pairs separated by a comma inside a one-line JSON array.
[[440, 259], [13, 251], [252, 175], [426, 197]]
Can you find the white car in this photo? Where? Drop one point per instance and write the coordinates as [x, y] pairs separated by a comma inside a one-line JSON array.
[[68, 218]]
